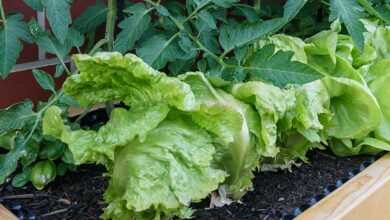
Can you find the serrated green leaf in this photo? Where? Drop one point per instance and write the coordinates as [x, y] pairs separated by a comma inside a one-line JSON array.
[[179, 66], [91, 18], [155, 51], [51, 150], [10, 46], [162, 10], [210, 41], [241, 53], [9, 161], [132, 28], [75, 38], [19, 28], [237, 35], [208, 19], [349, 12], [278, 68], [59, 70], [44, 79], [384, 12], [34, 4], [58, 14], [22, 178], [51, 45], [16, 116], [247, 11]]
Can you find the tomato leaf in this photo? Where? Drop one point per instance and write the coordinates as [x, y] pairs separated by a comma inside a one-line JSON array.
[[44, 79], [58, 14]]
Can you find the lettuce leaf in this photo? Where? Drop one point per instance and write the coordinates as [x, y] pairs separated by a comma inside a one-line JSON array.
[[380, 88], [355, 111], [99, 146], [111, 76], [233, 125], [162, 174], [272, 103]]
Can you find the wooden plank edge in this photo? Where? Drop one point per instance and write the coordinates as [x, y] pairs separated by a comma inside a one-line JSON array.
[[73, 112], [366, 196], [5, 214]]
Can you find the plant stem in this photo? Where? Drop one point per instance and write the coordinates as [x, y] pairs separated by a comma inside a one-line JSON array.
[[110, 25], [78, 119], [370, 9], [97, 46], [39, 115], [257, 6], [3, 18], [110, 28], [200, 7]]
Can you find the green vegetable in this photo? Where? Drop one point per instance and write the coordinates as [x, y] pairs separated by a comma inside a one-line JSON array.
[[178, 158], [235, 127], [42, 174]]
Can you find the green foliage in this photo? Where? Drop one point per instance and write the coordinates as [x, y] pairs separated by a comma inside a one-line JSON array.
[[34, 4], [58, 14], [132, 27], [350, 13], [44, 79], [278, 69], [14, 29], [91, 18]]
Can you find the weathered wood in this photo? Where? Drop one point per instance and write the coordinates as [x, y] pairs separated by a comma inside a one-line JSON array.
[[364, 197], [5, 214], [76, 111]]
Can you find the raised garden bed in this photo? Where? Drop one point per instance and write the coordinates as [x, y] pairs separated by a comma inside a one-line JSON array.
[[79, 194]]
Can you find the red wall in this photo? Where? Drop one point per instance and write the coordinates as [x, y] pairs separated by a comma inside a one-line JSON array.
[[22, 85]]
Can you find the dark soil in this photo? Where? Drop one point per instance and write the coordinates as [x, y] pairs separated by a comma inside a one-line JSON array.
[[79, 195]]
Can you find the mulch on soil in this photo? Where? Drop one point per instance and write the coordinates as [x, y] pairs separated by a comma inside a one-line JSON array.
[[78, 195]]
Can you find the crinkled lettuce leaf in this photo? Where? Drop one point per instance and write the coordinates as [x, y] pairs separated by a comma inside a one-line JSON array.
[[272, 103], [99, 146], [111, 76], [163, 174], [379, 39], [367, 145], [286, 43], [381, 89], [355, 111], [233, 126]]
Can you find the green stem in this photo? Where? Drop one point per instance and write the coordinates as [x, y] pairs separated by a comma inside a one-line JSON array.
[[202, 47], [99, 44], [370, 9], [39, 116], [200, 7], [3, 18], [257, 6], [64, 65], [181, 28], [110, 28], [83, 114], [110, 24]]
